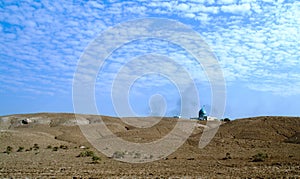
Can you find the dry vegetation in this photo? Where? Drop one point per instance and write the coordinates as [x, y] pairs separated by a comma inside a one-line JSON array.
[[51, 146]]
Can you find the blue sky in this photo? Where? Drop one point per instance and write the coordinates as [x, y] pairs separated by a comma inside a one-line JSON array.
[[256, 42]]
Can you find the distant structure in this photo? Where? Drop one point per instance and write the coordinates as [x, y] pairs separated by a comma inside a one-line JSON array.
[[202, 114], [26, 121], [211, 118]]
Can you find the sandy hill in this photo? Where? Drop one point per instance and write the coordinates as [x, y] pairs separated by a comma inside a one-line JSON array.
[[51, 143]]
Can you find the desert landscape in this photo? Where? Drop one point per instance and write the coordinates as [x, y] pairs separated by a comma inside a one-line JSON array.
[[51, 145]]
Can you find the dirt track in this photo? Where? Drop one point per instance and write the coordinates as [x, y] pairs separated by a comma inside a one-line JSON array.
[[255, 147]]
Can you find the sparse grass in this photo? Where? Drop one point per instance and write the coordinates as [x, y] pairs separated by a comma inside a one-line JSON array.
[[259, 157]]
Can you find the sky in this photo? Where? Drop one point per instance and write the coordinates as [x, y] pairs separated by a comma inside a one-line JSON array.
[[256, 44]]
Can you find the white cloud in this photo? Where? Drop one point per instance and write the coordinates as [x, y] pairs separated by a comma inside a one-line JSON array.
[[256, 8], [210, 1], [226, 1], [204, 18], [190, 15], [96, 4], [201, 8], [236, 9], [269, 1], [183, 7], [262, 54], [272, 87], [252, 36]]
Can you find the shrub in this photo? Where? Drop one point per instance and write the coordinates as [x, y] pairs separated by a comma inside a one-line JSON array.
[[35, 147], [49, 147], [20, 149], [227, 156], [118, 154], [226, 120], [89, 153], [95, 158], [8, 150], [260, 157], [30, 149], [55, 149], [137, 155], [86, 153], [63, 147]]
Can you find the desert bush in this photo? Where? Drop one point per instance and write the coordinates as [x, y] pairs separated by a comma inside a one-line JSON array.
[[226, 120], [89, 153], [20, 149], [35, 147], [118, 154], [63, 147], [86, 153], [55, 149], [259, 157], [49, 147], [30, 149], [227, 156], [137, 155], [95, 158], [8, 150]]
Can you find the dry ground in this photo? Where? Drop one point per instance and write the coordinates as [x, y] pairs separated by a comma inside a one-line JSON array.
[[231, 154]]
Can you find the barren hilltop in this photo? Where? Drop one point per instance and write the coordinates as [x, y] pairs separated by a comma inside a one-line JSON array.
[[52, 145]]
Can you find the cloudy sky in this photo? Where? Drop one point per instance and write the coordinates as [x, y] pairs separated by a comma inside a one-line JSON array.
[[256, 44]]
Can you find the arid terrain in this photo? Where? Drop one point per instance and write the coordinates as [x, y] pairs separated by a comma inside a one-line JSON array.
[[49, 145]]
